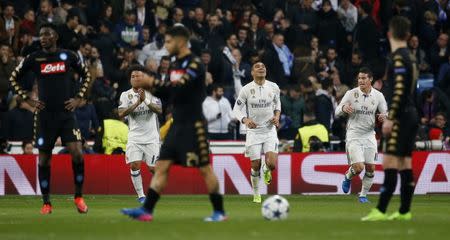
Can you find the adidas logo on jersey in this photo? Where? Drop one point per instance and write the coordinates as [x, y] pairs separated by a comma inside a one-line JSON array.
[[51, 68]]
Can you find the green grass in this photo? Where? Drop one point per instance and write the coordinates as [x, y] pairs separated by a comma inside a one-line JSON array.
[[180, 217]]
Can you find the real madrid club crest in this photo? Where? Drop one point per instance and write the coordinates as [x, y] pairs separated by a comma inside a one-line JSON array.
[[356, 94], [252, 92], [130, 96], [63, 56]]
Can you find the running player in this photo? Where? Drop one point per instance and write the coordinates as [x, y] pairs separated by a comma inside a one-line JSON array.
[[258, 107], [186, 142], [57, 101], [142, 108], [400, 127], [360, 104]]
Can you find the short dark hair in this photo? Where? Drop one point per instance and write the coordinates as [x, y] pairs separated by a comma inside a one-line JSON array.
[[367, 71], [400, 28], [138, 68], [165, 58], [179, 31], [366, 7], [326, 83], [71, 15], [49, 25], [309, 113], [216, 86], [442, 114], [25, 143], [205, 51]]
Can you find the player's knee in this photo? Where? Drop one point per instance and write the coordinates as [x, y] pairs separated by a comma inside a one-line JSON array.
[[256, 165], [358, 168], [134, 166]]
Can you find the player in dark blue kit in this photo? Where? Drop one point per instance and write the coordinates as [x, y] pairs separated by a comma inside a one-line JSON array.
[[54, 118], [401, 125], [186, 143]]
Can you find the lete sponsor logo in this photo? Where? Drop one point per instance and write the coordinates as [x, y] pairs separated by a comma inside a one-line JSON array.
[[54, 67], [295, 174]]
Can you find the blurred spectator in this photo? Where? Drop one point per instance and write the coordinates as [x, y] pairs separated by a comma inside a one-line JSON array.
[[29, 22], [428, 108], [440, 121], [84, 51], [199, 25], [145, 15], [9, 27], [95, 64], [27, 147], [129, 32], [243, 43], [256, 33], [339, 87], [241, 71], [439, 53], [215, 34], [333, 60], [419, 53], [322, 69], [46, 15], [163, 69], [205, 56], [366, 35], [70, 35], [325, 103], [18, 122], [87, 120], [146, 35], [428, 31], [105, 43], [279, 59], [352, 70], [217, 110], [311, 132], [306, 19], [348, 15], [7, 65], [329, 29], [293, 106], [288, 32], [112, 136], [154, 50], [26, 43]]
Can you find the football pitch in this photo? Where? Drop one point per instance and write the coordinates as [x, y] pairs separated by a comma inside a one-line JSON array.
[[180, 217]]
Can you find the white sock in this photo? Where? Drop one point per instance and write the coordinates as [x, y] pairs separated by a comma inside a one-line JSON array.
[[137, 182], [265, 168], [255, 176], [367, 182], [350, 173]]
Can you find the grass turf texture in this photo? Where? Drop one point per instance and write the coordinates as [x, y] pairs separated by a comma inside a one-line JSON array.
[[180, 217]]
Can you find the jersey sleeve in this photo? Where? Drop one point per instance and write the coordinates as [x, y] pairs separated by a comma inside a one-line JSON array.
[[276, 100], [156, 101], [399, 88], [82, 69], [123, 101], [346, 99], [24, 66], [240, 106], [382, 105]]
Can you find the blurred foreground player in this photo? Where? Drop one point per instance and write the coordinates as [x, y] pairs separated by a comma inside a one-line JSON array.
[[360, 104], [186, 142], [400, 127], [258, 107], [142, 109], [57, 101]]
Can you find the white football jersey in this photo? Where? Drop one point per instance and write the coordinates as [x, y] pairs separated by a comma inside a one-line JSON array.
[[258, 102], [142, 122], [361, 123]]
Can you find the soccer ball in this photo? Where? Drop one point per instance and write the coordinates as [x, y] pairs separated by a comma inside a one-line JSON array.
[[275, 208]]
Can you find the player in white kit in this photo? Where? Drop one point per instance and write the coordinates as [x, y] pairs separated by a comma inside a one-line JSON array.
[[258, 107], [361, 104], [143, 137]]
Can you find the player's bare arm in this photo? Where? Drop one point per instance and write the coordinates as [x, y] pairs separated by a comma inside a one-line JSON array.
[[249, 123], [123, 112], [276, 118]]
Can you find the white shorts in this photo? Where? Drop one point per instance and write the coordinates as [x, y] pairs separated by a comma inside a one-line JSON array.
[[254, 151], [142, 152], [361, 150]]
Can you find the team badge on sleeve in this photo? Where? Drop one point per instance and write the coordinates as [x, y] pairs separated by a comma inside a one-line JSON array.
[[63, 56]]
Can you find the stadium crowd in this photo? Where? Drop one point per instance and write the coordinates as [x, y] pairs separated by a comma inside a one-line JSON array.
[[312, 49]]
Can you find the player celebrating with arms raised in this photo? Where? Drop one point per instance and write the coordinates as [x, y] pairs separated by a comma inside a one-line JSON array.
[[258, 107], [361, 105], [142, 108], [55, 118], [185, 143], [401, 126]]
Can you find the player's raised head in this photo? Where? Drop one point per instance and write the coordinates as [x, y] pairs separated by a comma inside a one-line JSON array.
[[137, 75], [259, 70], [399, 28], [48, 35], [176, 38]]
